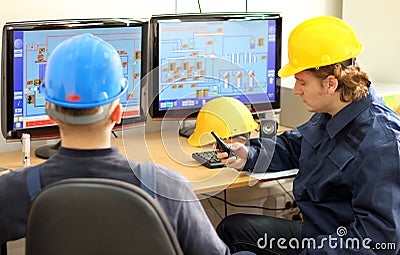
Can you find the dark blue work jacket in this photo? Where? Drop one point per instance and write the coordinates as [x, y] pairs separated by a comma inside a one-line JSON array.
[[348, 184]]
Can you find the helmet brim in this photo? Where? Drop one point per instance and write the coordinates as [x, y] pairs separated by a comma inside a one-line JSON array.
[[288, 70], [80, 105], [203, 139]]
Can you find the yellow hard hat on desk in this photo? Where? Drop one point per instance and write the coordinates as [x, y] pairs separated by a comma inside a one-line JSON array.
[[226, 116]]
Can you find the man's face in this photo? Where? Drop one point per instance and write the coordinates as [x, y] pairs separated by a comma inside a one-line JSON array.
[[313, 92]]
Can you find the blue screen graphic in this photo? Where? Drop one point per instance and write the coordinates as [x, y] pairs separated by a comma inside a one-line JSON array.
[[31, 51], [193, 59]]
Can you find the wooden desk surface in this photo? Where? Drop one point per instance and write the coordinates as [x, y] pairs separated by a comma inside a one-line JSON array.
[[166, 148]]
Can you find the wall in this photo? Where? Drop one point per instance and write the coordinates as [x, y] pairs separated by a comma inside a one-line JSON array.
[[293, 12], [376, 25]]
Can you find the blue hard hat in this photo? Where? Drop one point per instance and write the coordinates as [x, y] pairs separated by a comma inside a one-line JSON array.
[[83, 71]]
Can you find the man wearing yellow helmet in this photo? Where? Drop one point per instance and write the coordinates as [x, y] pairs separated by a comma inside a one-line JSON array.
[[348, 156]]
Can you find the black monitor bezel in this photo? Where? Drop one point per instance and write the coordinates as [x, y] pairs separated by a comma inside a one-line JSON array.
[[7, 70], [153, 50]]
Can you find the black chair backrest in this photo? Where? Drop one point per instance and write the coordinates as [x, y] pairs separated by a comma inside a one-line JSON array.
[[3, 249], [97, 216]]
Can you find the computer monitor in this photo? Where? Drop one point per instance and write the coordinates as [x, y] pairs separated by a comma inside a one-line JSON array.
[[197, 57], [26, 48]]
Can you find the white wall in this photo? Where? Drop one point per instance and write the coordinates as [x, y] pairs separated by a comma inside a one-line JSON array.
[[293, 12], [47, 9], [377, 26]]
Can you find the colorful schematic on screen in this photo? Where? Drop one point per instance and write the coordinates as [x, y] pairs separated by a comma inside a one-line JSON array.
[[31, 51], [192, 55]]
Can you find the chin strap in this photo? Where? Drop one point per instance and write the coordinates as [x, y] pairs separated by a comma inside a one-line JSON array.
[[349, 62], [78, 120]]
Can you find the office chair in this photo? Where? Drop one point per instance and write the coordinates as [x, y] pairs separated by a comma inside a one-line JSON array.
[[91, 216]]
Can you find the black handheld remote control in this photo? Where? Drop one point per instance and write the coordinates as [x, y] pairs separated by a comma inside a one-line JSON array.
[[222, 146]]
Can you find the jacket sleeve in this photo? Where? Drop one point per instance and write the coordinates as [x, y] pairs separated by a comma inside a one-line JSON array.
[[376, 206], [195, 233], [274, 155], [14, 205]]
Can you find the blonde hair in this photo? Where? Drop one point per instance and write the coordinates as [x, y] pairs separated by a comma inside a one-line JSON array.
[[353, 83]]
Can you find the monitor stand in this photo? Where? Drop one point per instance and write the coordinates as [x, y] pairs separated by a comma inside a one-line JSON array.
[[47, 151], [187, 128]]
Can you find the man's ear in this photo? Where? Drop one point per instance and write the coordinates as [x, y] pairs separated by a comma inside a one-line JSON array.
[[332, 84], [117, 114]]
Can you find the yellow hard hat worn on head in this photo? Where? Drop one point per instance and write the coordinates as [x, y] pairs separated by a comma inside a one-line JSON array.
[[226, 116], [320, 42]]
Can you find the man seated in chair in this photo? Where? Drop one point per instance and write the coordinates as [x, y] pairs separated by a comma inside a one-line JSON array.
[[82, 86]]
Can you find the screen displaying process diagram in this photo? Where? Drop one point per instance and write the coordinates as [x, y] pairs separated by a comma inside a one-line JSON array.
[[33, 48], [202, 60]]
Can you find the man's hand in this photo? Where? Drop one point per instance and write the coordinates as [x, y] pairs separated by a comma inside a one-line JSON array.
[[237, 161]]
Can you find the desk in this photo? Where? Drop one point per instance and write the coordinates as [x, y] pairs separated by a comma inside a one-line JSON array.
[[166, 148]]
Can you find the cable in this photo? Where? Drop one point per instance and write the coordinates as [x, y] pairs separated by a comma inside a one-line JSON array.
[[215, 209], [249, 206], [114, 134], [287, 192], [198, 3]]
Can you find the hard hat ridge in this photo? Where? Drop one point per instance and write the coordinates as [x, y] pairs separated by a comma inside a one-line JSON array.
[[227, 116]]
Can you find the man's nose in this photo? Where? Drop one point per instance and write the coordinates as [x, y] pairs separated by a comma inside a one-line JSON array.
[[297, 90]]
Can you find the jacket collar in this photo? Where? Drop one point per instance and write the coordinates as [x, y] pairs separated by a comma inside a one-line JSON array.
[[320, 123], [349, 113], [87, 153]]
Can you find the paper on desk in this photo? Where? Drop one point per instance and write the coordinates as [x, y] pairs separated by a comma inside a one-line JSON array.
[[273, 175]]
